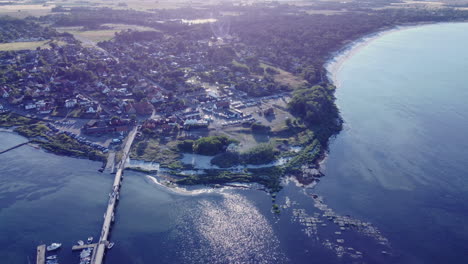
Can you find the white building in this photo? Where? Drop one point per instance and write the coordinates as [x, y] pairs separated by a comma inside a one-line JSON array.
[[70, 103], [30, 106], [90, 110]]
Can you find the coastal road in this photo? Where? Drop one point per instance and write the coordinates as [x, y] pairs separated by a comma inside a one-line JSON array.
[[98, 254]]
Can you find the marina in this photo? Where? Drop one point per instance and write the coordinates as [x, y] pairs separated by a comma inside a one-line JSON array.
[[98, 254], [92, 253]]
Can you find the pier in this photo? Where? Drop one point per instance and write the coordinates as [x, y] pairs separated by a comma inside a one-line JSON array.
[[85, 246], [14, 147], [100, 248], [40, 257]]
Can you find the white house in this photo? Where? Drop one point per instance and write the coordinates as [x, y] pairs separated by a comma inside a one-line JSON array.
[[70, 103], [91, 110], [30, 106]]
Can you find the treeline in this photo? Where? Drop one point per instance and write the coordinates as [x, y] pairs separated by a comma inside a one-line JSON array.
[[315, 106], [206, 145], [93, 18], [296, 41]]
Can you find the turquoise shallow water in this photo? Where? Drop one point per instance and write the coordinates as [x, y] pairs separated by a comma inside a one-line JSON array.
[[401, 160], [399, 164]]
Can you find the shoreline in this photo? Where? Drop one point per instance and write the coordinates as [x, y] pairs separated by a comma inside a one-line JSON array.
[[336, 60]]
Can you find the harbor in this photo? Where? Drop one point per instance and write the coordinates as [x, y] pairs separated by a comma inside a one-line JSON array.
[[98, 254], [92, 253]]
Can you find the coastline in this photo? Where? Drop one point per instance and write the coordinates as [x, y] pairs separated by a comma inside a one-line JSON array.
[[335, 60]]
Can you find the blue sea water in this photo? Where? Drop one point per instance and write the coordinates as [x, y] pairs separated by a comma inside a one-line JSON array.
[[396, 180], [401, 160]]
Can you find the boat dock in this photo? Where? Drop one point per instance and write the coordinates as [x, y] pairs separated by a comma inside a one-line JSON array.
[[98, 253], [78, 247], [40, 257], [100, 247]]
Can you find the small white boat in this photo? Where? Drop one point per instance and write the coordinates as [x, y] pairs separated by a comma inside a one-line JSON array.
[[53, 246], [52, 257], [90, 239], [80, 242], [85, 253], [111, 244]]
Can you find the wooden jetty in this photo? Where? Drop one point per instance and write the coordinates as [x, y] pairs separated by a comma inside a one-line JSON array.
[[78, 247], [40, 257]]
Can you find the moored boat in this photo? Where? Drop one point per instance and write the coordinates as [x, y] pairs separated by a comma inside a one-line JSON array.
[[52, 257], [53, 246], [90, 239], [111, 244]]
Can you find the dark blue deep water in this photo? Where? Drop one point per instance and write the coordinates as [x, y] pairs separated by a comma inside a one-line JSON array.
[[395, 189], [401, 161]]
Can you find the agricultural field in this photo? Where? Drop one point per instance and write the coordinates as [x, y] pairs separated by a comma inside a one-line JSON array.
[[417, 4], [20, 10], [92, 37], [24, 45]]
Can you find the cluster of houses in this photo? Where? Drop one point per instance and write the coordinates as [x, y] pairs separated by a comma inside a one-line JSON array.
[[88, 83], [108, 126]]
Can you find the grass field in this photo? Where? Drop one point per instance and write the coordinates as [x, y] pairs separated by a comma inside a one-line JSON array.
[[324, 12], [285, 77], [23, 45], [29, 45], [25, 10]]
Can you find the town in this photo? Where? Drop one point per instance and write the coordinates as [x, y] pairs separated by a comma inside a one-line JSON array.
[[96, 95]]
